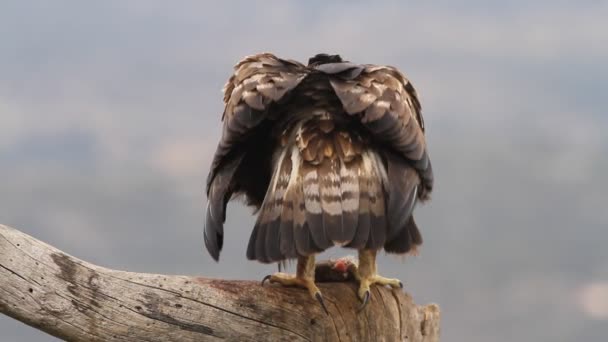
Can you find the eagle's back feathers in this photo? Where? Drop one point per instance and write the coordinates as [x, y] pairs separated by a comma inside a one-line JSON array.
[[331, 154]]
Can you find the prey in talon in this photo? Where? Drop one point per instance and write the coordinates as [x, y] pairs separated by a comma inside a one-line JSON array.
[[329, 153]]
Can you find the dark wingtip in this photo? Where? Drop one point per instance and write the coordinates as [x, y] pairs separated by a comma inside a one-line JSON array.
[[212, 233], [212, 248]]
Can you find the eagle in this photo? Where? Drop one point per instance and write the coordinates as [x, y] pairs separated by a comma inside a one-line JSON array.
[[329, 153]]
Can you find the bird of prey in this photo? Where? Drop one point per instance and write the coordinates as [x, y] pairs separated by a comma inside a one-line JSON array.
[[329, 153]]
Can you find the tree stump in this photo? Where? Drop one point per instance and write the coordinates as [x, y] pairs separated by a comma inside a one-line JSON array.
[[78, 301]]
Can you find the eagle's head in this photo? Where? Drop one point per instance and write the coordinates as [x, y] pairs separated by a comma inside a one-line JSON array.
[[323, 58]]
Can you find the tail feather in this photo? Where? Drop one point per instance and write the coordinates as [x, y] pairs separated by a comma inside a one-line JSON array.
[[288, 214], [281, 185], [313, 205], [286, 226], [349, 195], [363, 226], [251, 252], [363, 203], [260, 244], [266, 236], [331, 200], [273, 241], [303, 240], [288, 244]]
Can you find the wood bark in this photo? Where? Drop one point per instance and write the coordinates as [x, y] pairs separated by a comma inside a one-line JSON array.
[[77, 301]]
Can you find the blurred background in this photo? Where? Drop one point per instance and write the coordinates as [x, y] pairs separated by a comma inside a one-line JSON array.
[[110, 112]]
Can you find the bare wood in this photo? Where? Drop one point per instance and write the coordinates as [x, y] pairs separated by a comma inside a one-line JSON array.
[[77, 301]]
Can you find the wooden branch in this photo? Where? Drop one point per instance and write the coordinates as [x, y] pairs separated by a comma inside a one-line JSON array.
[[77, 301]]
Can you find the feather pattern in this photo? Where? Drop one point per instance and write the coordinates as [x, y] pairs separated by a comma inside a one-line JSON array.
[[257, 83], [402, 193], [389, 108], [217, 198], [332, 153]]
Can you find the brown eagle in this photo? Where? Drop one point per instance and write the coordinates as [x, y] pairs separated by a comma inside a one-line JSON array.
[[330, 153]]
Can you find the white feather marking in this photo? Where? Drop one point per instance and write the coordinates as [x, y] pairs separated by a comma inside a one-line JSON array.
[[356, 89], [341, 243], [333, 177], [349, 186], [350, 204], [380, 169], [379, 86], [311, 175], [278, 168], [333, 208], [264, 86], [252, 79], [249, 93], [349, 182], [251, 64], [311, 188], [295, 164], [273, 191], [368, 98], [383, 104], [367, 163]]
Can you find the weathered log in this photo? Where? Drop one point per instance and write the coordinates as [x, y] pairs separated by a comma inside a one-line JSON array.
[[77, 301]]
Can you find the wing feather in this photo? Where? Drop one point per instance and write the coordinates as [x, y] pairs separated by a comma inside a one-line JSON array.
[[258, 82], [402, 193], [388, 106]]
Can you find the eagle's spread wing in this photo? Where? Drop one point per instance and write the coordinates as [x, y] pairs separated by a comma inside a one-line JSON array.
[[258, 82]]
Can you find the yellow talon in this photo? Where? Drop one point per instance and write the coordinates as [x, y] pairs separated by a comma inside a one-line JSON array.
[[365, 273], [304, 278]]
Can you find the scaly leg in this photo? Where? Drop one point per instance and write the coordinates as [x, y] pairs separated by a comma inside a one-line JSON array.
[[305, 277], [366, 275]]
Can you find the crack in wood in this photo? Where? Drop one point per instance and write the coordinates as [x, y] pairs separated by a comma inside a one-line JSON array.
[[68, 271], [398, 303], [153, 305]]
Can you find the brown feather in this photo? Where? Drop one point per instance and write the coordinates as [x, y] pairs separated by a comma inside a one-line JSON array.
[[332, 153], [363, 226], [387, 103]]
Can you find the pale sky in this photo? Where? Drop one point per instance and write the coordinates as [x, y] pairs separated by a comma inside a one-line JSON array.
[[109, 115]]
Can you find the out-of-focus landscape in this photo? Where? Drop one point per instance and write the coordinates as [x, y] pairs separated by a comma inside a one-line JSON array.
[[109, 115]]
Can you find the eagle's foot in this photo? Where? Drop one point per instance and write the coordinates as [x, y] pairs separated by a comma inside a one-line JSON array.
[[290, 280], [366, 275], [365, 284], [304, 278]]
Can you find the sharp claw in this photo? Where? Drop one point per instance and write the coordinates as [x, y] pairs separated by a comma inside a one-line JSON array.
[[319, 298], [364, 301], [265, 278]]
